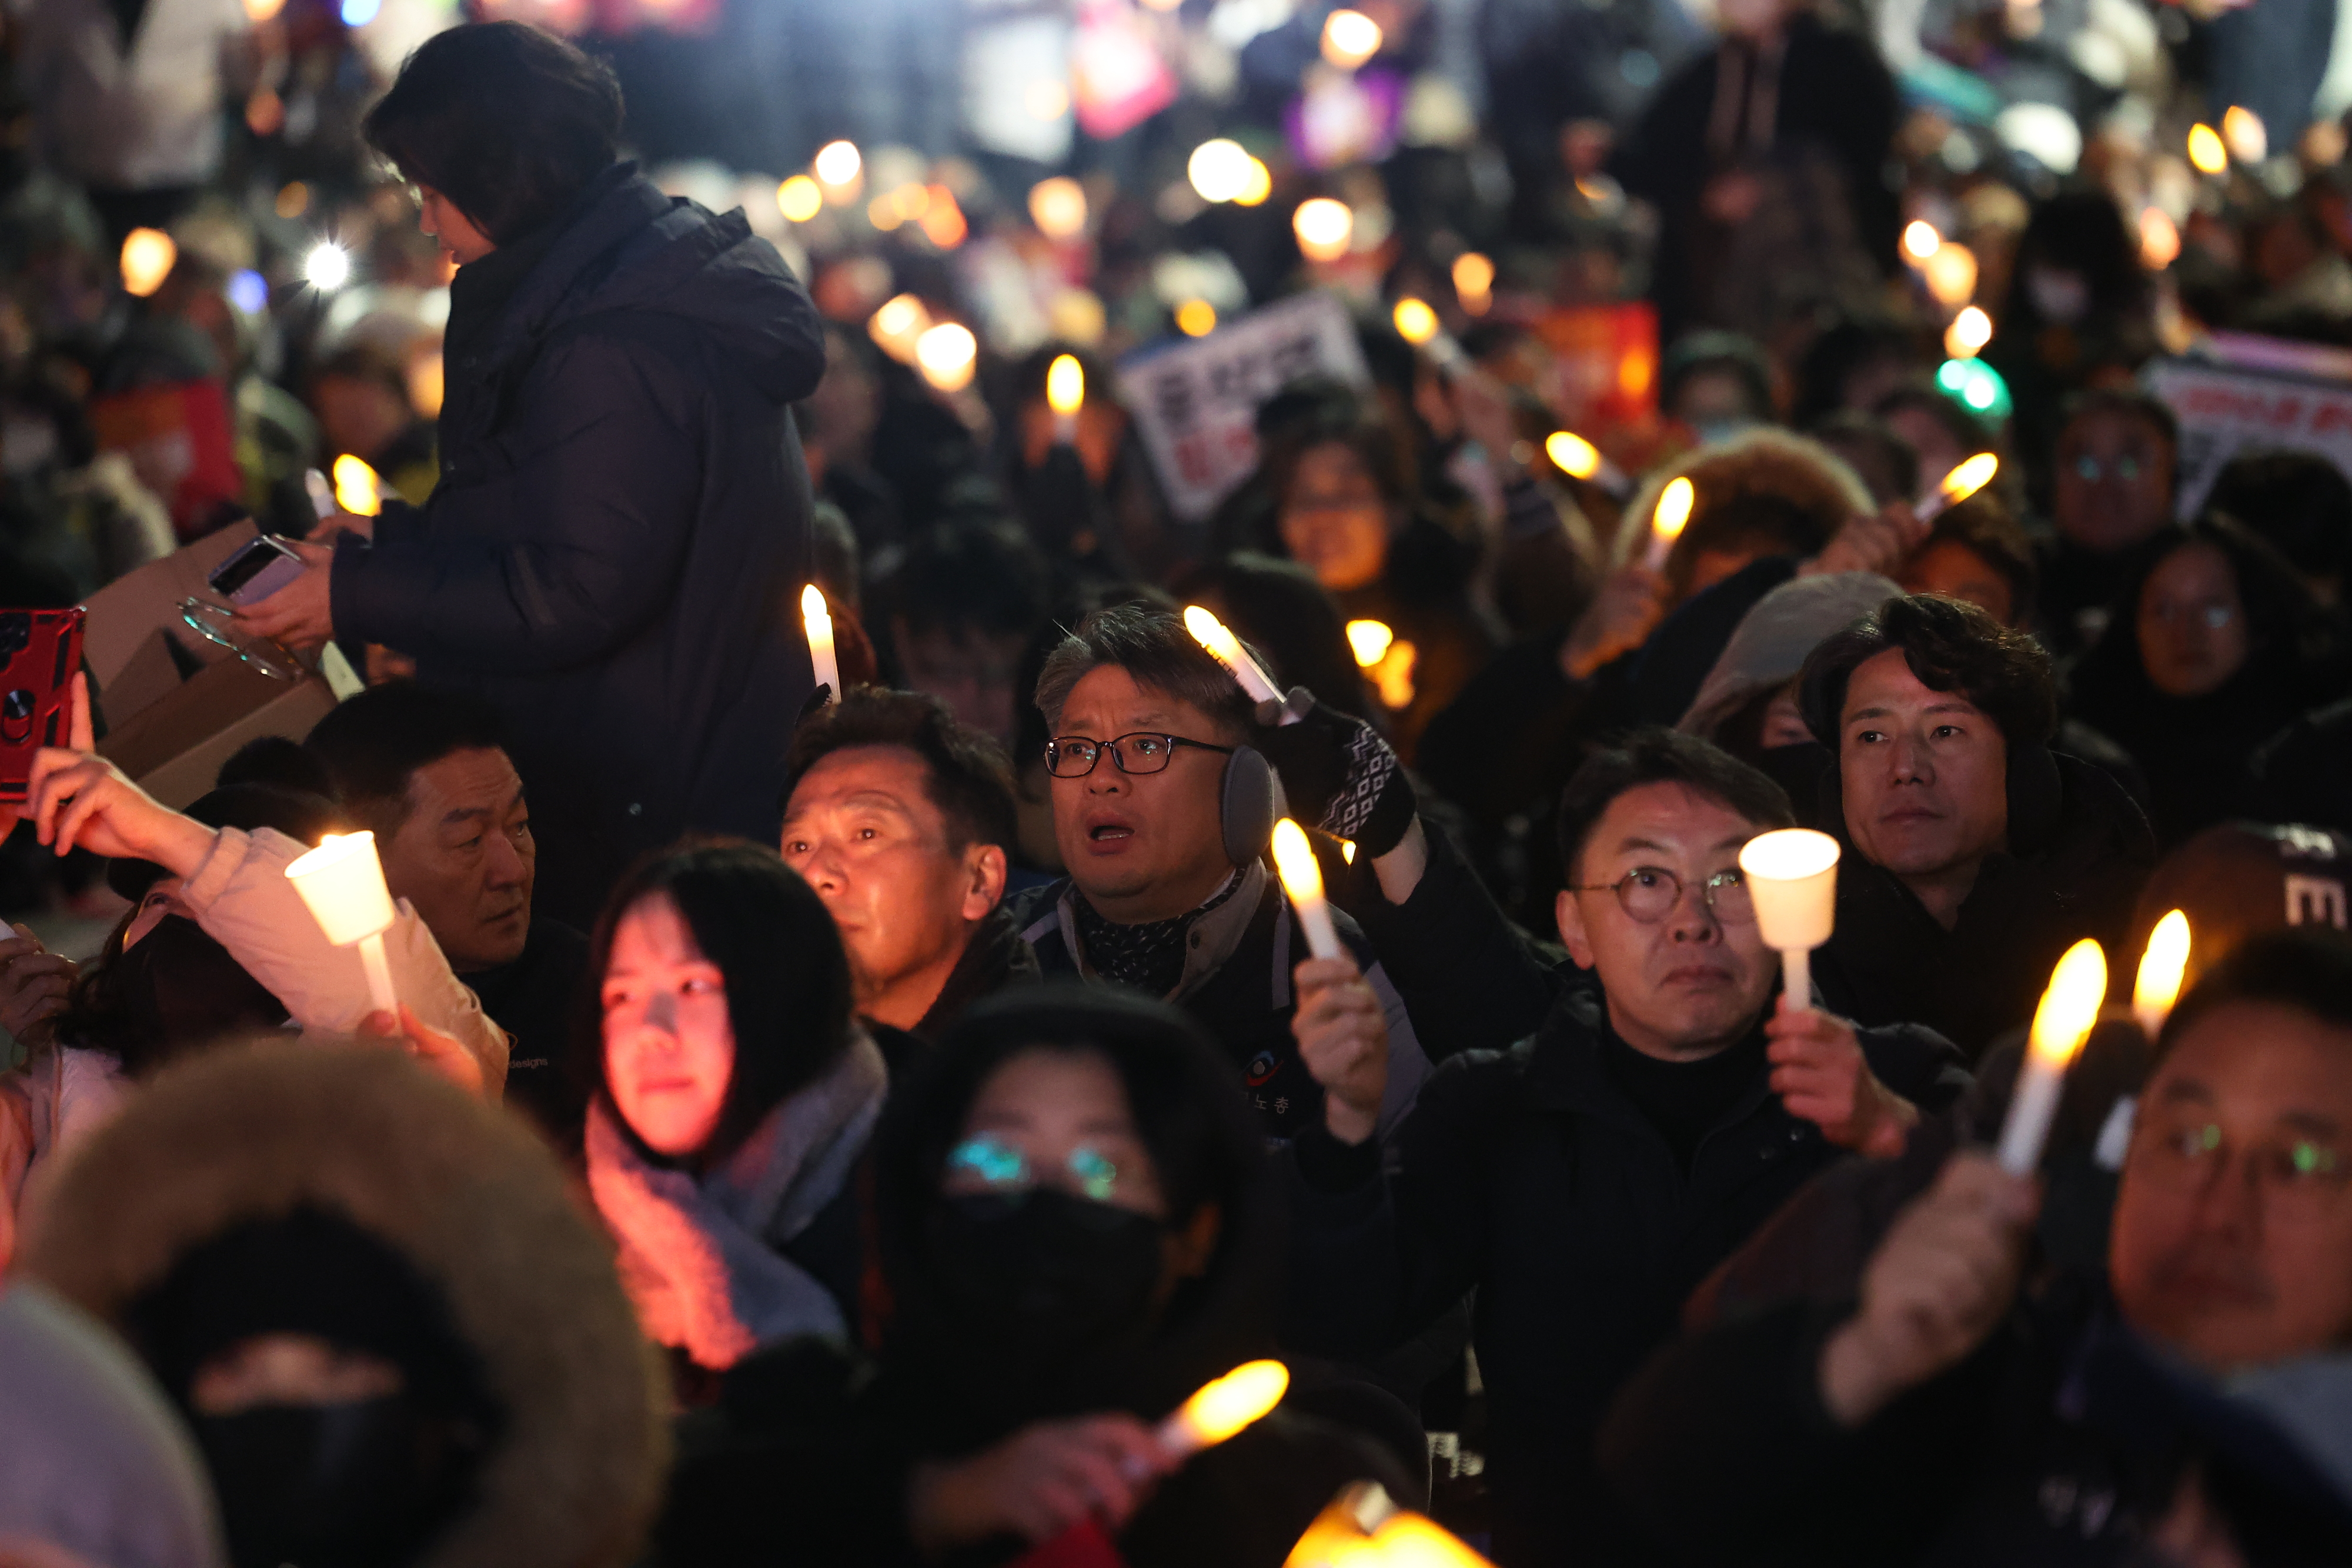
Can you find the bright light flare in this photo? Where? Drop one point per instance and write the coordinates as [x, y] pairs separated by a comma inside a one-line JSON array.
[[1970, 331], [2243, 133], [838, 163], [2068, 1009], [1416, 323], [148, 257], [1250, 1391], [1059, 207], [1257, 185], [898, 325], [328, 267], [1324, 227], [2157, 984], [1920, 239], [1572, 454], [2207, 154], [341, 883], [1968, 477], [1673, 508], [1196, 318], [2159, 239], [947, 354], [1474, 282], [1349, 38], [357, 489], [1065, 384], [1950, 275], [1219, 170], [800, 198], [1369, 640]]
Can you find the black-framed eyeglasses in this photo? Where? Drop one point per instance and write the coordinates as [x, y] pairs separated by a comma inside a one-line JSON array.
[[1649, 894], [1074, 755]]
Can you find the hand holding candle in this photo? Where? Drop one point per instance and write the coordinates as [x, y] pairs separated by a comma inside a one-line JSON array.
[[1791, 877], [1065, 395], [341, 883], [1962, 482], [1668, 520], [1302, 879], [2061, 1023], [2157, 984], [819, 623]]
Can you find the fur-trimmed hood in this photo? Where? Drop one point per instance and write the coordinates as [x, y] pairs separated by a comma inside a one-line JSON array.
[[1764, 461], [463, 1193]]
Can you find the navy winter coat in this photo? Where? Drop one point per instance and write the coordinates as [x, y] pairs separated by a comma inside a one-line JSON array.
[[614, 552]]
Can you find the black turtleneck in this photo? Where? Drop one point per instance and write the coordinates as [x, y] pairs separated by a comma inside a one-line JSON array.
[[1684, 1101]]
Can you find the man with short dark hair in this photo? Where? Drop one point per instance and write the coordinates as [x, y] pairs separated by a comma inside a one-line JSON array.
[[1584, 1180], [427, 773], [1976, 855], [900, 817], [612, 553], [1161, 808]]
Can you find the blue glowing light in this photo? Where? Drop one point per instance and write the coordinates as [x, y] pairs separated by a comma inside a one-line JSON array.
[[360, 12], [250, 292]]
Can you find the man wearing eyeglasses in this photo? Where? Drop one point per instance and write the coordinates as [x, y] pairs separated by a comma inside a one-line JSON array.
[[1585, 1180], [1145, 725]]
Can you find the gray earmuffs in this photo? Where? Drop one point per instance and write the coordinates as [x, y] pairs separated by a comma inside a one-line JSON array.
[[1250, 804]]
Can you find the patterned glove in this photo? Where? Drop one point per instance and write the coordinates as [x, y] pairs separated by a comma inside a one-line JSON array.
[[1337, 772]]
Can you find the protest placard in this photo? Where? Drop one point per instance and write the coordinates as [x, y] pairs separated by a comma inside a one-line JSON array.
[[2225, 409]]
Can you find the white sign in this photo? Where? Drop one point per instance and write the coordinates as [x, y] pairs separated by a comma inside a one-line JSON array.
[[1194, 401], [2226, 410]]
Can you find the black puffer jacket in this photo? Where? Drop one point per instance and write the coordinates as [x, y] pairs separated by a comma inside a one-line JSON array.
[[621, 527]]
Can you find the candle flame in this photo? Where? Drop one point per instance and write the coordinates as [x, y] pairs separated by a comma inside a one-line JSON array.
[[1348, 851], [1224, 1407], [1294, 862], [333, 849], [1415, 321], [2070, 1005], [2206, 150], [1572, 454], [2157, 985], [1674, 510], [1363, 1528], [1920, 239], [1065, 384], [357, 489], [812, 606], [1369, 640], [1970, 476], [1211, 634]]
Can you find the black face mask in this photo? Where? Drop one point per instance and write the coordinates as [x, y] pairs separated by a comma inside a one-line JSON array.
[[365, 1484], [1042, 1293]]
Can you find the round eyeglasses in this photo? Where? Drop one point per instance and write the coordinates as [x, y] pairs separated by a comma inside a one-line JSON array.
[[1649, 894], [1074, 755]]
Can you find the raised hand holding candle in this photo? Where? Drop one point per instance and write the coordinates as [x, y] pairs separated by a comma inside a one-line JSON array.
[[341, 883], [1065, 393], [1294, 860], [819, 622], [2157, 984], [2061, 1023], [1224, 1407], [1668, 520], [1965, 480], [1791, 877], [1227, 650]]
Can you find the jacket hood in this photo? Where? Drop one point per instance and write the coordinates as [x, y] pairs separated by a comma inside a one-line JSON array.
[[458, 1191], [1202, 1138], [1769, 645], [627, 247]]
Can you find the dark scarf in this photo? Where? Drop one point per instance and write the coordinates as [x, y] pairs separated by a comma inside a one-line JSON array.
[[1148, 958]]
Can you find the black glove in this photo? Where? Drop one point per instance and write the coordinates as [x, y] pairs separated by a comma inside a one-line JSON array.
[[1337, 772]]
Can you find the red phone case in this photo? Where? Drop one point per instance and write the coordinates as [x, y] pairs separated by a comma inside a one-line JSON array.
[[40, 652]]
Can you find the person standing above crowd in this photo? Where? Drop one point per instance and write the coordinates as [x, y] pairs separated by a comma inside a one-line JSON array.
[[1975, 854], [613, 555], [901, 819], [1585, 1179]]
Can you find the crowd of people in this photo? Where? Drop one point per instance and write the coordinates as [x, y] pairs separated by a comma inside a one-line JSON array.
[[856, 1070]]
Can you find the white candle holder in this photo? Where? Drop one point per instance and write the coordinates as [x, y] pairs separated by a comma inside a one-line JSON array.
[[341, 883], [1793, 881]]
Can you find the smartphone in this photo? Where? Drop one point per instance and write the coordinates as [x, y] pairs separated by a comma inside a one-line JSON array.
[[256, 571], [40, 652]]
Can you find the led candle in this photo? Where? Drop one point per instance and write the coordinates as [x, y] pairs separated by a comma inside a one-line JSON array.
[[1793, 881], [1294, 860], [1579, 459], [1363, 1528], [1065, 393], [2161, 969], [2061, 1023], [357, 490], [1227, 650], [813, 616], [1668, 520], [341, 883], [1962, 482], [1224, 1407]]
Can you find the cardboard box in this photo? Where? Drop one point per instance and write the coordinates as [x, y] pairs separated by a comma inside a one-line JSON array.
[[177, 705]]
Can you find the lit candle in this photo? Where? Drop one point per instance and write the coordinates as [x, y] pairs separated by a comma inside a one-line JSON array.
[[1224, 1407], [341, 883], [2061, 1023], [2157, 984], [1793, 881], [813, 616], [1668, 520], [1971, 476], [1227, 650], [1065, 393], [1579, 459], [357, 490], [1363, 1528], [1294, 860]]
